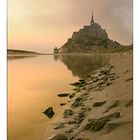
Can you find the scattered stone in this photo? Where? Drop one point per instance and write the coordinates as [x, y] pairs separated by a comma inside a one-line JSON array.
[[71, 95], [114, 77], [101, 82], [89, 86], [96, 74], [89, 109], [76, 126], [79, 101], [110, 75], [97, 104], [60, 136], [77, 84], [88, 76], [77, 89], [71, 122], [76, 104], [62, 104], [80, 119], [129, 103], [69, 131], [63, 95], [108, 82], [82, 81], [112, 105], [126, 71], [113, 115], [49, 112], [105, 70], [129, 79], [99, 88], [111, 126], [97, 124], [59, 125], [67, 113]]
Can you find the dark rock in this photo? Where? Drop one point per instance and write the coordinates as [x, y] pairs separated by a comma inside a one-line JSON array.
[[76, 126], [49, 112], [77, 89], [114, 77], [76, 104], [105, 70], [71, 122], [100, 88], [110, 75], [62, 104], [129, 79], [63, 94], [76, 84], [69, 131], [101, 82], [79, 101], [60, 136], [126, 71], [129, 103], [72, 95], [79, 117], [89, 86], [108, 82], [112, 105], [82, 81], [111, 126], [89, 109], [97, 104], [59, 125], [113, 115], [67, 113], [97, 124]]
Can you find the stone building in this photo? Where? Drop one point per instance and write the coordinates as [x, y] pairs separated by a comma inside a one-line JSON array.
[[55, 50], [94, 30]]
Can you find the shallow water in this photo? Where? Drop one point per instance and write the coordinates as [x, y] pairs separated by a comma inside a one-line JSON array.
[[33, 85]]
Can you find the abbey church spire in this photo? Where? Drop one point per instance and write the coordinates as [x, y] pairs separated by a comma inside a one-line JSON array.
[[92, 20]]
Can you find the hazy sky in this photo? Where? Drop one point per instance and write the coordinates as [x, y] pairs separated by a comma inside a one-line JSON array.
[[40, 25]]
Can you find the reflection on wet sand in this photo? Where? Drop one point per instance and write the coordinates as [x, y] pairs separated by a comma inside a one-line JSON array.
[[82, 64]]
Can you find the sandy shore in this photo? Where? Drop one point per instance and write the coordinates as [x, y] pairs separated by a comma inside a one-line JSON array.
[[101, 107]]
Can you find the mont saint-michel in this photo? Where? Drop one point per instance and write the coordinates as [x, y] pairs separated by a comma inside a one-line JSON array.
[[70, 70], [90, 38]]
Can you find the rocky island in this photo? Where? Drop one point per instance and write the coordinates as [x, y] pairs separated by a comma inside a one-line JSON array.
[[91, 38]]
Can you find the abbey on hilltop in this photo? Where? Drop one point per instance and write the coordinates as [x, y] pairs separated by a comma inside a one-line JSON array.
[[89, 38], [93, 30]]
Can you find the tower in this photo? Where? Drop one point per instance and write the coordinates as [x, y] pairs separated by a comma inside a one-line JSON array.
[[92, 20]]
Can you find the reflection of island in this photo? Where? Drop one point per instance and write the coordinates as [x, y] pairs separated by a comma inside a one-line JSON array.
[[82, 65]]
